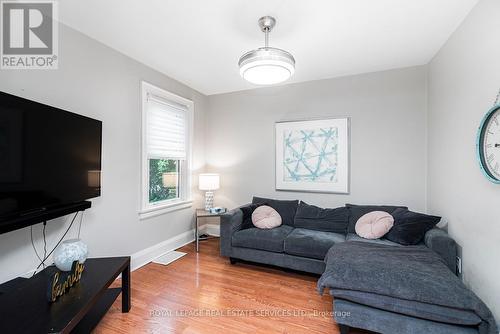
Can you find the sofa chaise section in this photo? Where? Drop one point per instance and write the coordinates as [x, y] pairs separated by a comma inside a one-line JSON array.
[[411, 282], [353, 315]]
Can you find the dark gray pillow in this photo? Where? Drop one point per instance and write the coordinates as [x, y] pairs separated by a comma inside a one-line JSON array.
[[326, 220], [357, 211], [286, 209], [410, 227], [247, 215]]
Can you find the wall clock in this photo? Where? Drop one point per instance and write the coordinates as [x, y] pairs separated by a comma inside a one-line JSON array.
[[488, 144]]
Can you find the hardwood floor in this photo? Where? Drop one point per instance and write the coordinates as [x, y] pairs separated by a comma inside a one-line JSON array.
[[242, 298]]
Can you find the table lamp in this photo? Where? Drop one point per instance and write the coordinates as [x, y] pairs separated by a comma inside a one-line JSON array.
[[209, 183]]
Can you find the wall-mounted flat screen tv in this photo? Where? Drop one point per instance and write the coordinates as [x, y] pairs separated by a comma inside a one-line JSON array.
[[48, 157]]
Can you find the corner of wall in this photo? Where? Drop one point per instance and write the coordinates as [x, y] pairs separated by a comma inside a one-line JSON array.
[[426, 129]]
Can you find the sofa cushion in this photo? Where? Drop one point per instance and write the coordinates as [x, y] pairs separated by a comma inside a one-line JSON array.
[[357, 211], [327, 220], [410, 227], [286, 209], [311, 243], [383, 241], [269, 240]]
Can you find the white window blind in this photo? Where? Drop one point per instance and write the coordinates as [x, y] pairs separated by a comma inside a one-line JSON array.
[[166, 129]]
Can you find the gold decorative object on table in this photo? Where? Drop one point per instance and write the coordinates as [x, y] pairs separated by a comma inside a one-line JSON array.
[[61, 282]]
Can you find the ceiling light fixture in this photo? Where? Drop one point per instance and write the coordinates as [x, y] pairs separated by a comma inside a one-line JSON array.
[[266, 65]]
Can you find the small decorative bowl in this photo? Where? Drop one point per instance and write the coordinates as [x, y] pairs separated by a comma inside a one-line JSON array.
[[69, 251]]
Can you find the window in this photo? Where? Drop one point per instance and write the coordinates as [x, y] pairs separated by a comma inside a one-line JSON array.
[[166, 151], [163, 179]]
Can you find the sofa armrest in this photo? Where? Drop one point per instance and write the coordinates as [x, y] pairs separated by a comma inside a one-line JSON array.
[[230, 222], [440, 242]]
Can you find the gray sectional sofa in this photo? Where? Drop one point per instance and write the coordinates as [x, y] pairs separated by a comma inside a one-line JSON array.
[[304, 239]]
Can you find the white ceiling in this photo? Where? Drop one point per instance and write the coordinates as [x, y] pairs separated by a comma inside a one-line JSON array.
[[199, 42]]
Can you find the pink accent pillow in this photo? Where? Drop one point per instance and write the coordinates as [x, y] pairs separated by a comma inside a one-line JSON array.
[[266, 217], [374, 224]]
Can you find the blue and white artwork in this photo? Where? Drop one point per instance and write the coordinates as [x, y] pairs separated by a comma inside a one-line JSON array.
[[313, 155], [310, 155]]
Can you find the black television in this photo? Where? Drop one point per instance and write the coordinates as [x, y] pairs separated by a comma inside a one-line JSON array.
[[49, 158]]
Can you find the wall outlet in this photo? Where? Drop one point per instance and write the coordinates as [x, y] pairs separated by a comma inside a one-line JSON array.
[[459, 265], [459, 262]]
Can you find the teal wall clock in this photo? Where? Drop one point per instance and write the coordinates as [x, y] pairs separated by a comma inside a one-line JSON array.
[[488, 144]]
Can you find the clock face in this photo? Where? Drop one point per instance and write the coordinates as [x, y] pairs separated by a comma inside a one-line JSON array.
[[489, 145]]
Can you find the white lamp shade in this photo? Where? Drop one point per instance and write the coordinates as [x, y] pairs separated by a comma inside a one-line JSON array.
[[209, 182], [267, 66], [266, 74], [170, 180]]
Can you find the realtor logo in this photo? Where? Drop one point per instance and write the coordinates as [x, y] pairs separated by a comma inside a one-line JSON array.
[[29, 35]]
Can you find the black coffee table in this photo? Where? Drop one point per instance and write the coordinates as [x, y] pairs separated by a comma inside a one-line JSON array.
[[24, 307]]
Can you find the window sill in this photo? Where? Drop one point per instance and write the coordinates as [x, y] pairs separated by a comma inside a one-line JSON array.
[[165, 208]]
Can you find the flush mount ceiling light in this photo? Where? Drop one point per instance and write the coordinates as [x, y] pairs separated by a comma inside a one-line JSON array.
[[266, 65]]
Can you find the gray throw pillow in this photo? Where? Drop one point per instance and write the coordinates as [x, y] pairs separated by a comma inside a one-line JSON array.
[[285, 208], [319, 219], [410, 227]]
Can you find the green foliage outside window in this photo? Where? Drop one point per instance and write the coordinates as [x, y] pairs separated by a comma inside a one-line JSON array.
[[157, 167]]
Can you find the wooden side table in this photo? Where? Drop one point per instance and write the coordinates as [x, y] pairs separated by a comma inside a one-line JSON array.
[[202, 213]]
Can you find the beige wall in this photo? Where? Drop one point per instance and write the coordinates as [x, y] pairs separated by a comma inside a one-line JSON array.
[[388, 134], [99, 82], [464, 79]]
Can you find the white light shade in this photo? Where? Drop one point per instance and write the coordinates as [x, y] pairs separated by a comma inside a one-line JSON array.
[[209, 182], [170, 180], [267, 66], [265, 73]]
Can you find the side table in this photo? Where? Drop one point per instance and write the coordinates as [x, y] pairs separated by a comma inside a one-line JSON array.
[[201, 213]]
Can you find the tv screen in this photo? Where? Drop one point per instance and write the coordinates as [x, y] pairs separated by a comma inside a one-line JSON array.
[[48, 157]]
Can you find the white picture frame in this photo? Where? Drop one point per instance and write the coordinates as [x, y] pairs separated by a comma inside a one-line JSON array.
[[313, 155]]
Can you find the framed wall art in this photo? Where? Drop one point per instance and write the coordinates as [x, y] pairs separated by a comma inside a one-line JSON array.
[[313, 155]]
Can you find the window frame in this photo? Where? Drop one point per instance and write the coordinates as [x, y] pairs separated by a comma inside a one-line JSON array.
[[148, 209]]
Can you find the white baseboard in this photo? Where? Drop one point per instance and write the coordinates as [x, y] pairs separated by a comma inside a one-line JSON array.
[[211, 229], [145, 256]]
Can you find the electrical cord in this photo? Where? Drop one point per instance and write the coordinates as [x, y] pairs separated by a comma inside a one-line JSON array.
[[44, 244], [60, 240], [80, 225], [33, 244]]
